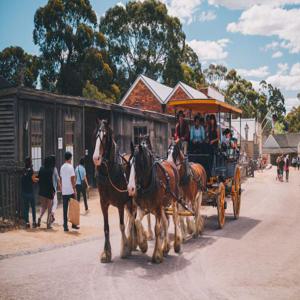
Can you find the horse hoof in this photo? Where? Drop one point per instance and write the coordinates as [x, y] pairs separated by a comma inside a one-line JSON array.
[[157, 259], [177, 247], [166, 250], [106, 257], [144, 247], [126, 251]]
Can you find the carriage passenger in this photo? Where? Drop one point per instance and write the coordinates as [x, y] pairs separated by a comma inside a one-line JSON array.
[[182, 131], [197, 134], [213, 133]]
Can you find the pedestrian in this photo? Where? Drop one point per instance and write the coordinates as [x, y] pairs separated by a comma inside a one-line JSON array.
[[281, 167], [46, 190], [286, 167], [298, 162], [81, 182], [294, 162], [28, 180], [56, 185], [68, 190]]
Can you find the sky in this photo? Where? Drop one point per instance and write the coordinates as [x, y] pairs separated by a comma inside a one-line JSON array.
[[259, 38]]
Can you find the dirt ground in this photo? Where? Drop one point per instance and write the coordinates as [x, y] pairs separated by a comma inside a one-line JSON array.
[[25, 241], [254, 257]]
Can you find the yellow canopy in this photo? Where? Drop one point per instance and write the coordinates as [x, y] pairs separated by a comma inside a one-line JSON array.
[[205, 106]]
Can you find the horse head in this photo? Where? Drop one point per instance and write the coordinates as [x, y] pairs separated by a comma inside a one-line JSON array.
[[103, 142], [175, 152], [140, 166]]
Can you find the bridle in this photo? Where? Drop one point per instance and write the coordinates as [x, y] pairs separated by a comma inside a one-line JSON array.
[[105, 160]]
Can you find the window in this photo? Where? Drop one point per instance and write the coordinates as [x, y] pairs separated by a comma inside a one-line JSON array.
[[36, 143], [138, 131], [69, 137]]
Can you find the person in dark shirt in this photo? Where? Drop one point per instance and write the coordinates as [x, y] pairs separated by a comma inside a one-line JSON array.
[[46, 190], [182, 131], [27, 192]]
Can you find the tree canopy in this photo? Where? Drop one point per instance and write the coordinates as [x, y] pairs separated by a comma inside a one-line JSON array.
[[143, 39], [19, 67], [293, 119], [73, 51]]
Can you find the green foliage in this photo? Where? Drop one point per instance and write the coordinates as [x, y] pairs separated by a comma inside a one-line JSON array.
[[255, 104], [215, 74], [293, 119], [18, 67], [143, 39], [279, 128], [73, 51], [90, 91]]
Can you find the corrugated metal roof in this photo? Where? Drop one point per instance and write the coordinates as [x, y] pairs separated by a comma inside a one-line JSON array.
[[193, 92], [161, 90]]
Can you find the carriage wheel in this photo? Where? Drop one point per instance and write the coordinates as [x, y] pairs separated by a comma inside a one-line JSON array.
[[221, 205], [236, 192]]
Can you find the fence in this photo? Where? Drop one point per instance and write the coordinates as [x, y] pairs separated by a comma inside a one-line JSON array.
[[11, 205]]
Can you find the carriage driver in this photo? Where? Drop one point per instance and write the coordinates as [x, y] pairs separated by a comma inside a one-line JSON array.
[[182, 131]]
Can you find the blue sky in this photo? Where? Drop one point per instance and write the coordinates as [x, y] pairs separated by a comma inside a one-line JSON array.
[[260, 38]]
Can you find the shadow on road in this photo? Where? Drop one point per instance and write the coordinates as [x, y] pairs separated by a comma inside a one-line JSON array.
[[140, 264], [233, 229]]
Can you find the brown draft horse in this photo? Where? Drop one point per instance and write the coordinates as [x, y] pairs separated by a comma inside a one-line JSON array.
[[153, 186], [112, 186], [192, 184]]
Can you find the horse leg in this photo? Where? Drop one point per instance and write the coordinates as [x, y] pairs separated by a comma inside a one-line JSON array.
[[166, 242], [200, 223], [106, 254], [191, 226], [125, 246], [178, 237], [141, 234], [150, 235], [131, 230], [157, 256]]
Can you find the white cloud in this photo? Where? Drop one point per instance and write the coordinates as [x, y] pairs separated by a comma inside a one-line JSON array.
[[260, 72], [243, 4], [271, 21], [206, 16], [185, 10], [210, 50], [277, 54], [282, 68], [286, 80], [120, 4], [290, 103]]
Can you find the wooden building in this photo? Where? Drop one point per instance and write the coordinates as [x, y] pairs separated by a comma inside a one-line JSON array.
[[37, 123]]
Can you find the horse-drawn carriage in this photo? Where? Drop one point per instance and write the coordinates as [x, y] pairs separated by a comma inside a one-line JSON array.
[[176, 186], [221, 166]]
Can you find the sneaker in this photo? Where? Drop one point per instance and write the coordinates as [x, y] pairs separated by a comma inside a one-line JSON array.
[[49, 226], [34, 225], [39, 222], [75, 227], [66, 229], [27, 225]]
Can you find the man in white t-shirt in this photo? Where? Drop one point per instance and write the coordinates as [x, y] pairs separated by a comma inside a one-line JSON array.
[[68, 181]]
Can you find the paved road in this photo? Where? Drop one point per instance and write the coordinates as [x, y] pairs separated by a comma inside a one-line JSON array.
[[256, 257]]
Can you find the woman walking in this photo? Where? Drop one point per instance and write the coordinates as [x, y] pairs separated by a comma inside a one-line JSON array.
[[27, 192], [81, 182], [46, 192], [56, 186]]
